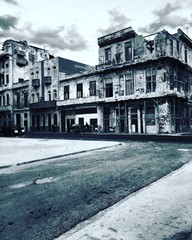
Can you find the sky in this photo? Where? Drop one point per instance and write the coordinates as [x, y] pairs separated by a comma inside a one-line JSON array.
[[70, 28]]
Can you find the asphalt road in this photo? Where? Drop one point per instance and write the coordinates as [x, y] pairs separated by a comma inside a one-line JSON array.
[[42, 200]]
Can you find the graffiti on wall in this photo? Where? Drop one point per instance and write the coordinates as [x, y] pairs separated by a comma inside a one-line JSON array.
[[164, 118]]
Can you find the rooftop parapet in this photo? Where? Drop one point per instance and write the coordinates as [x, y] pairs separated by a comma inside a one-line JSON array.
[[121, 35]]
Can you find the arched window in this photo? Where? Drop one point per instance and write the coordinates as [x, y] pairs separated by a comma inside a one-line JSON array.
[[32, 97], [54, 70], [49, 95], [48, 71], [3, 100], [25, 95], [37, 74], [37, 97], [54, 94]]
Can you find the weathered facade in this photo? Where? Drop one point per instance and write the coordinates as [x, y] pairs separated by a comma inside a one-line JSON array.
[[29, 85], [141, 85]]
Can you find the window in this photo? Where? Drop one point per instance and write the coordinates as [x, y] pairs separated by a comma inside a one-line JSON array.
[[108, 55], [32, 75], [7, 78], [150, 114], [109, 89], [79, 90], [49, 95], [171, 77], [66, 92], [150, 80], [3, 100], [171, 47], [37, 97], [54, 70], [81, 121], [33, 97], [1, 79], [128, 51], [186, 54], [129, 84], [48, 71], [54, 94], [186, 87], [21, 80], [7, 65], [37, 74], [25, 99], [92, 88], [8, 99], [33, 121], [18, 100], [55, 119]]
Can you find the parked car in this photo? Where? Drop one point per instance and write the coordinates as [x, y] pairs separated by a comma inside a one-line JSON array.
[[12, 131]]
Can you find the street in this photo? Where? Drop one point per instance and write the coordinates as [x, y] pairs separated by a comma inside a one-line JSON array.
[[42, 200]]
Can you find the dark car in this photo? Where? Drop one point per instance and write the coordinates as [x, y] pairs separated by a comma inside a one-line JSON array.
[[12, 131]]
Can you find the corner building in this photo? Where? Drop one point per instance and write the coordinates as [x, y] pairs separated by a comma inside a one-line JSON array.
[[142, 84]]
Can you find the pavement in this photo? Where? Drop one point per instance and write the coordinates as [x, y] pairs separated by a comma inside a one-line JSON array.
[[18, 150], [160, 211]]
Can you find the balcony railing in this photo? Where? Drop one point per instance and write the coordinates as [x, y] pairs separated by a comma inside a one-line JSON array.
[[42, 105], [21, 84], [5, 108], [104, 66], [36, 82], [47, 80]]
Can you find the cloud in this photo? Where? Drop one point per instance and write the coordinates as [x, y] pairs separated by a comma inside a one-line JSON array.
[[61, 38], [7, 22], [10, 2], [117, 21], [166, 18]]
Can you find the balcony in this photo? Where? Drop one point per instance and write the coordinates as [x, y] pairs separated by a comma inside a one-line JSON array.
[[21, 84], [36, 82], [21, 62], [104, 66], [42, 105], [5, 108], [47, 80], [78, 101]]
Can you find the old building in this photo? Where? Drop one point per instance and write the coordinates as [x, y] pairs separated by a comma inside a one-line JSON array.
[[142, 84], [29, 82], [45, 91], [15, 61]]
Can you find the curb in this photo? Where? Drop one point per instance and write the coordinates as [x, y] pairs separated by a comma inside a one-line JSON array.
[[58, 156]]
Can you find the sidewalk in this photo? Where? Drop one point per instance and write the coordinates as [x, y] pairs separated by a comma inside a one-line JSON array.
[[15, 151], [157, 212]]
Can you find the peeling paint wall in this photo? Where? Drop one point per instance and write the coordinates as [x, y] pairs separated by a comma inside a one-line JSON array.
[[164, 118]]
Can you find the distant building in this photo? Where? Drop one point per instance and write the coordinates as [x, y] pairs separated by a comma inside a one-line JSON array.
[[142, 84], [29, 82]]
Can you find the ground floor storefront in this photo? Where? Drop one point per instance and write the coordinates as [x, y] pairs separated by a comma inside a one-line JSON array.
[[144, 116], [150, 116]]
